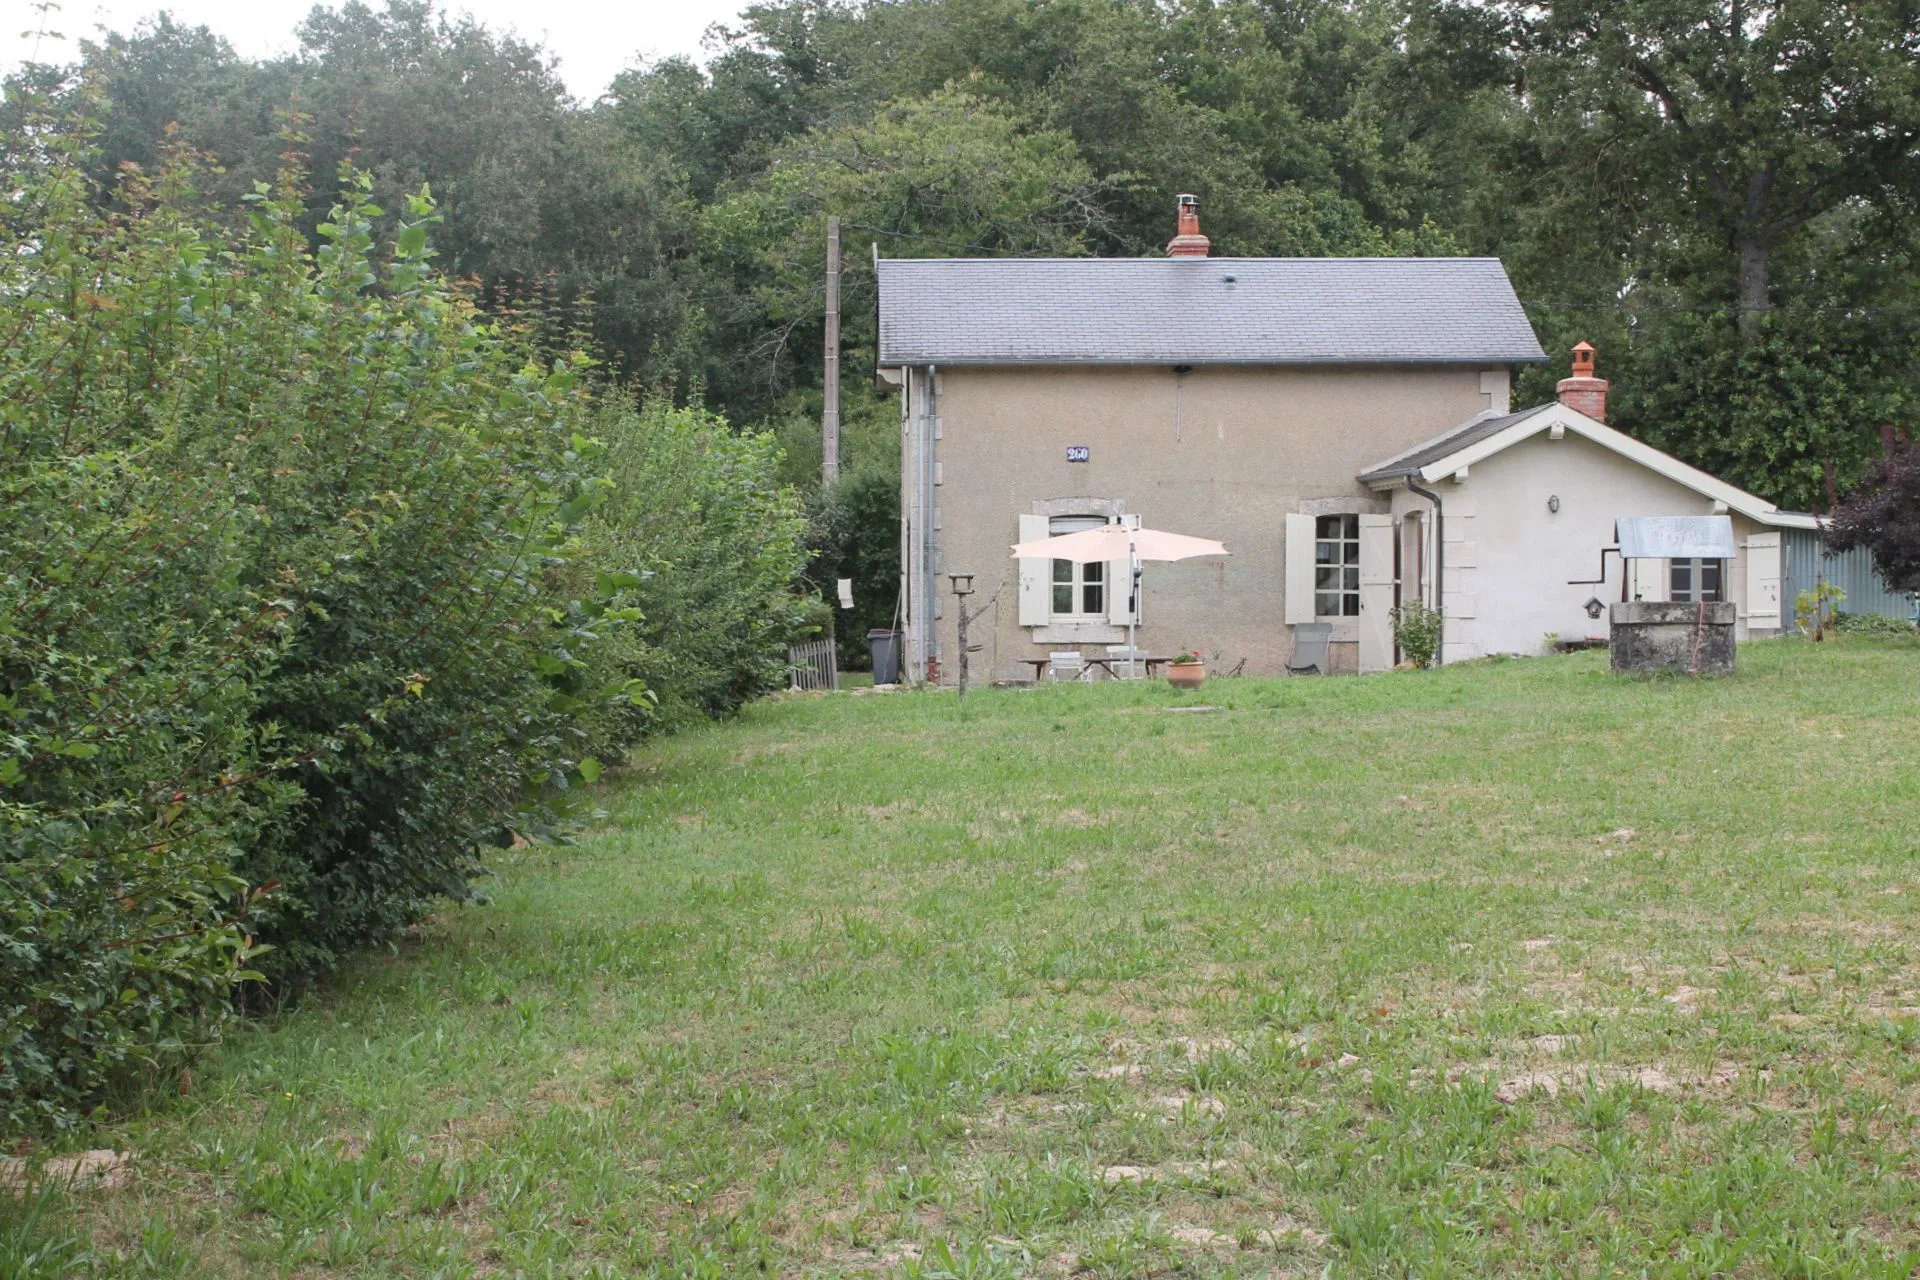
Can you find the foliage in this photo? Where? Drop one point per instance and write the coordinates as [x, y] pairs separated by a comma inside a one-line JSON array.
[[1816, 610], [1417, 629], [1870, 624], [279, 624], [1883, 514], [1740, 123], [856, 535], [706, 544], [1185, 658], [1714, 193]]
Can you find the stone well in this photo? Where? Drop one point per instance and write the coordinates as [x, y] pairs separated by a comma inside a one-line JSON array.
[[1689, 638]]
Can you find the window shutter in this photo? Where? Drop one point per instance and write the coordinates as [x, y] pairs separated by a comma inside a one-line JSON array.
[[1299, 553], [1120, 584], [1763, 580], [1035, 576], [1376, 592]]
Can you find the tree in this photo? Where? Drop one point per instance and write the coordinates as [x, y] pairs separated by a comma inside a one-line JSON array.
[[1751, 118], [1882, 513]]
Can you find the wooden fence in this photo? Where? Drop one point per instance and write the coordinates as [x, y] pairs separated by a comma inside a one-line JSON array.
[[814, 665]]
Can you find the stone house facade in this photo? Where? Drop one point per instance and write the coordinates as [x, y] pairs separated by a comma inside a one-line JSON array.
[[1295, 409]]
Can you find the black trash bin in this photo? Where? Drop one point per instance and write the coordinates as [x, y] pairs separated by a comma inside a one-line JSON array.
[[886, 655]]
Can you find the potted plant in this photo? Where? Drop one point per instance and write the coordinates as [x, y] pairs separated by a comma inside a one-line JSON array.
[[1186, 670]]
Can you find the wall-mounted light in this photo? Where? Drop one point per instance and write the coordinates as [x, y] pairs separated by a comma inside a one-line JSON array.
[[962, 583], [1553, 502]]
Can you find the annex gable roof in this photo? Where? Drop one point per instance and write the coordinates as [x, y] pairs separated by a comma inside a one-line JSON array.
[[1489, 434], [1284, 311]]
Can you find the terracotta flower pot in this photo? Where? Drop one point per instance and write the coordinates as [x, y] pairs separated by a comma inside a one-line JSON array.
[[1186, 675]]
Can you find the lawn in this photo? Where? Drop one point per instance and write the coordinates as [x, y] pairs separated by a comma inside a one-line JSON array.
[[1515, 967]]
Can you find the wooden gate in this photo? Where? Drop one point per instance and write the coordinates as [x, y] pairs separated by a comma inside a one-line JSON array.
[[813, 665]]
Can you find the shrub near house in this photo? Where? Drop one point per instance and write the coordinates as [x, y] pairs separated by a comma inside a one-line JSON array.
[[296, 613]]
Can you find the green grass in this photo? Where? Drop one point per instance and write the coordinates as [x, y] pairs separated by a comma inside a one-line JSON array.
[[1512, 968]]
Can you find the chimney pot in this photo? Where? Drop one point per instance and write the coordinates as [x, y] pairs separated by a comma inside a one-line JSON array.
[[1188, 242], [1583, 392]]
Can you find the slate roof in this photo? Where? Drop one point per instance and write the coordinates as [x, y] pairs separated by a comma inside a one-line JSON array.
[[1448, 443], [989, 311]]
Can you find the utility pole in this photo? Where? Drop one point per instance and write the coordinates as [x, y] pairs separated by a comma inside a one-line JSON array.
[[830, 415]]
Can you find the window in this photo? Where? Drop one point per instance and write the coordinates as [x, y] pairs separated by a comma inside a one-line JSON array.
[[1691, 580], [1336, 566], [1079, 590]]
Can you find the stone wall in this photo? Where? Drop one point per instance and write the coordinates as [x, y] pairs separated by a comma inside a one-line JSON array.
[[1691, 639]]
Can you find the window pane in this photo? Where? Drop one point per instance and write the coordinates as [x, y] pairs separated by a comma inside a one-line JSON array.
[[1096, 571], [1326, 605], [1094, 595], [1353, 579], [1063, 597], [1326, 552], [1326, 579], [1710, 580], [1326, 527], [1353, 606], [1350, 526], [1063, 571], [1680, 580]]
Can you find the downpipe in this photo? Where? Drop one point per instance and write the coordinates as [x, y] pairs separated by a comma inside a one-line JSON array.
[[1439, 564]]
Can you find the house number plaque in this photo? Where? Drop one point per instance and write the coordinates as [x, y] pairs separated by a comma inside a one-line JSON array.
[[1079, 452]]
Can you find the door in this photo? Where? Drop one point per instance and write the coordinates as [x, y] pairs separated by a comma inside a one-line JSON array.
[[1376, 593]]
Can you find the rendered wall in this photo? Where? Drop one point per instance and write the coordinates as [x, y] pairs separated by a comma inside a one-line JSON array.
[[1509, 560], [1221, 452]]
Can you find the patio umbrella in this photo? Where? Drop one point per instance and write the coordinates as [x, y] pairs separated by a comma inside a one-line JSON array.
[[1121, 542]]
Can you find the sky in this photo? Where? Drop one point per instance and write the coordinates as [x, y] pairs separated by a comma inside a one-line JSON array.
[[594, 38]]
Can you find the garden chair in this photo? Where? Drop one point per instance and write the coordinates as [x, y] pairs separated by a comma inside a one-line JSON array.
[[1309, 655], [1126, 662], [1068, 664]]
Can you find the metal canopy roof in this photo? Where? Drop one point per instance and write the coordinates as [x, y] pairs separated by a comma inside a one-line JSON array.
[[1675, 537]]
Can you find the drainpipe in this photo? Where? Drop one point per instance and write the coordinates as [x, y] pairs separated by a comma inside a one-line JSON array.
[[930, 638], [1439, 562]]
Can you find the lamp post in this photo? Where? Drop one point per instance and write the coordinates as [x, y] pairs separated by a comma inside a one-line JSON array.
[[962, 587]]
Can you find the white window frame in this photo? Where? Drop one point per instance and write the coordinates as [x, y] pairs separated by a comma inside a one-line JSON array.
[[1344, 565], [1077, 577], [1696, 570]]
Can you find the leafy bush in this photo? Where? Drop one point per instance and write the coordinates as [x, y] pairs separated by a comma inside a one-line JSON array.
[[707, 545], [1871, 624], [1416, 629], [283, 634], [1815, 610], [1882, 513]]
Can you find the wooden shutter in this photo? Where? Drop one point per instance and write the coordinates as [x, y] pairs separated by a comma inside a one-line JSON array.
[[1299, 555], [1120, 583], [1376, 592], [1763, 580], [1035, 575]]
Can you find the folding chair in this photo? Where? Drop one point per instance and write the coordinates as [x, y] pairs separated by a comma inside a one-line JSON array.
[[1309, 648], [1126, 662], [1068, 664]]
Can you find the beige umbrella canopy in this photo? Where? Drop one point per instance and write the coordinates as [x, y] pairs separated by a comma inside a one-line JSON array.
[[1119, 542]]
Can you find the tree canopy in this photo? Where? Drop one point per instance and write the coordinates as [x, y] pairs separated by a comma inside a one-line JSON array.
[[1720, 194]]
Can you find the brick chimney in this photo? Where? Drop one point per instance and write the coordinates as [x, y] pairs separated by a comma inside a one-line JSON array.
[[1189, 243], [1583, 392]]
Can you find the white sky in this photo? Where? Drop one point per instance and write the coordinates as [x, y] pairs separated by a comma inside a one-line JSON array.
[[594, 39]]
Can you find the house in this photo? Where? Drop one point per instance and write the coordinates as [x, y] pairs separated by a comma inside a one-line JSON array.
[[1343, 425]]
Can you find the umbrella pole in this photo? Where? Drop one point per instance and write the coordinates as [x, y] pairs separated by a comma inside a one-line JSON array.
[[1133, 610]]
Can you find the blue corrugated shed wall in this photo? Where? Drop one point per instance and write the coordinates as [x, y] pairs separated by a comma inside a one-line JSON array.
[[1806, 560]]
